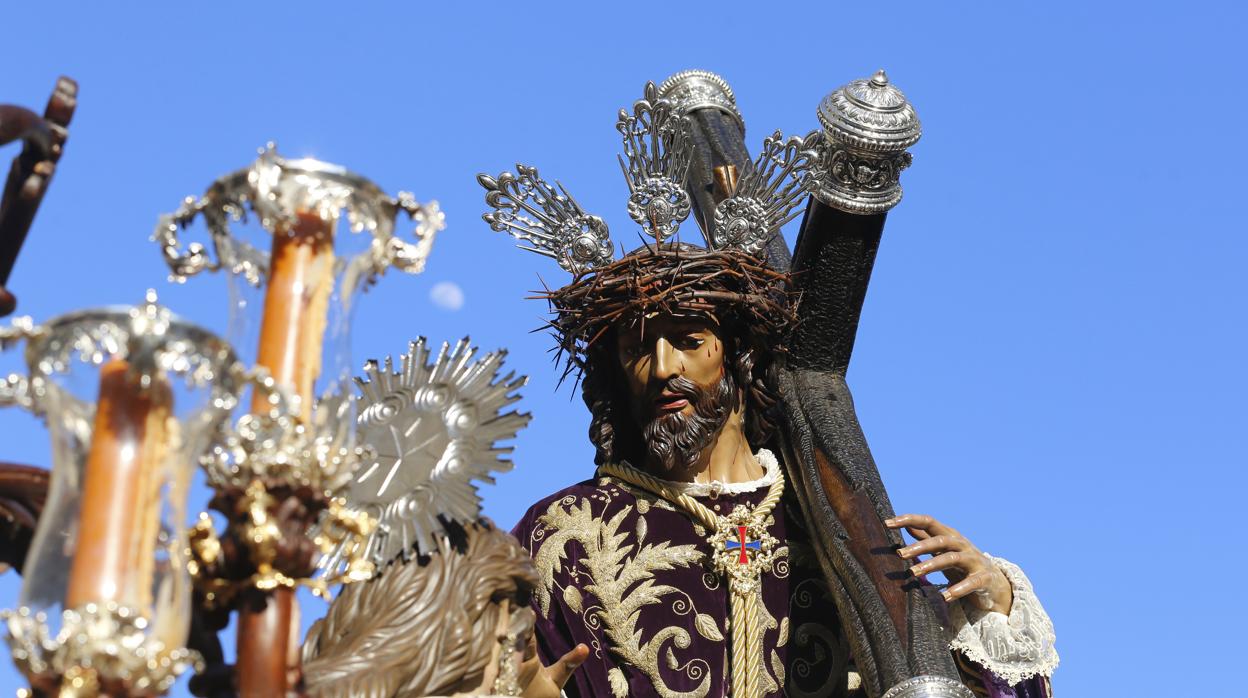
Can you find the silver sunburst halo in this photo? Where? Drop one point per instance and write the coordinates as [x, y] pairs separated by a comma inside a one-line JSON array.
[[434, 429]]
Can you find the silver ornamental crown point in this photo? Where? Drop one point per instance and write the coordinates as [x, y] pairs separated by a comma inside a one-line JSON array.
[[867, 126], [690, 90]]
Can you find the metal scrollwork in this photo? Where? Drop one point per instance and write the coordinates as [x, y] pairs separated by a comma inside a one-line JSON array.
[[148, 336], [867, 127], [767, 196], [929, 686], [691, 90], [275, 189], [655, 164], [529, 209]]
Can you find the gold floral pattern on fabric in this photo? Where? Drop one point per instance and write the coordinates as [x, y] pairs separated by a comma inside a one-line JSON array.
[[621, 577]]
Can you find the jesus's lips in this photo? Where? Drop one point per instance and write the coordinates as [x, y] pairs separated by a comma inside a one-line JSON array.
[[670, 402]]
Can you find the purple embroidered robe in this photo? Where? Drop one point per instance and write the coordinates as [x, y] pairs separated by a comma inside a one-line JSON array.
[[628, 574]]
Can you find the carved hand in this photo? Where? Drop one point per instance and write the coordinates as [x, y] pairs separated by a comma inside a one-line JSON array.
[[547, 682], [970, 572]]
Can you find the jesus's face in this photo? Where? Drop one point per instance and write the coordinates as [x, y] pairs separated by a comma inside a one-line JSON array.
[[681, 393]]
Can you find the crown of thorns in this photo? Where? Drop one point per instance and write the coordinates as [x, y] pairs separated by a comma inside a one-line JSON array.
[[736, 290]]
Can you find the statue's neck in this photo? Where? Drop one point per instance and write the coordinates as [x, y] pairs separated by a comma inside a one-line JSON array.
[[727, 459]]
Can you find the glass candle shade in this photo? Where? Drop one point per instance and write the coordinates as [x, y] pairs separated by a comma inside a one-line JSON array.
[[293, 301], [132, 398]]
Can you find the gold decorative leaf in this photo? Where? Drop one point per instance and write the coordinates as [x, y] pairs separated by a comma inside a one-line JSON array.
[[641, 529], [619, 684], [777, 666], [783, 638], [572, 597], [621, 571], [672, 663], [708, 628]]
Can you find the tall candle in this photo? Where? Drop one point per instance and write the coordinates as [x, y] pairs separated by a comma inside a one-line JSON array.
[[120, 512], [296, 305], [296, 310]]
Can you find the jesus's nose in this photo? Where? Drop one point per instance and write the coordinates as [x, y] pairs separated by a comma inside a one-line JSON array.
[[666, 363]]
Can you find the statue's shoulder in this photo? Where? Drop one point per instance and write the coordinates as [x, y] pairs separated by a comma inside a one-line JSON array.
[[594, 497]]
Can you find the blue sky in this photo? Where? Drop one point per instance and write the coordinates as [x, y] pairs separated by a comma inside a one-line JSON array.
[[1051, 356]]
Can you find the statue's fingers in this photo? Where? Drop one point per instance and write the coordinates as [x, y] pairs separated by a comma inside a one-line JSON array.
[[529, 669], [975, 582], [921, 526], [561, 671], [943, 562], [933, 545], [913, 522]]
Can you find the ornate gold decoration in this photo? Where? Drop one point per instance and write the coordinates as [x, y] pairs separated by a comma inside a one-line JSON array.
[[262, 537], [98, 644], [507, 683]]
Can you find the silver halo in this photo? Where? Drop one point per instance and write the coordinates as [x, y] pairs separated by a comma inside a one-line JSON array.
[[432, 429]]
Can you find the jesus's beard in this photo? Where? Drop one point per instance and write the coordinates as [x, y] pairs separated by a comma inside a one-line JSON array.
[[676, 441]]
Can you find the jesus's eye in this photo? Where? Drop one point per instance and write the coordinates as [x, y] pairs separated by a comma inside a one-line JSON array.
[[633, 350], [689, 341]]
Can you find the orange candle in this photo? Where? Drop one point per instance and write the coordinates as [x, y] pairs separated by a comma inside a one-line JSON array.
[[120, 511], [296, 305], [292, 333]]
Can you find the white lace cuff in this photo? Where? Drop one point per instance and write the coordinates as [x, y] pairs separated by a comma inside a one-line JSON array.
[[1015, 648]]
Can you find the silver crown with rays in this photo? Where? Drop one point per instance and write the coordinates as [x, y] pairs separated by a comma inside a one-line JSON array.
[[656, 159]]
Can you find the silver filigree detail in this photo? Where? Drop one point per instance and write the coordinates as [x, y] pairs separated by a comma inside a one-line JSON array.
[[433, 427], [691, 90], [275, 189], [113, 641], [867, 126], [529, 209], [15, 390], [929, 686], [151, 338], [767, 195], [655, 164], [279, 448]]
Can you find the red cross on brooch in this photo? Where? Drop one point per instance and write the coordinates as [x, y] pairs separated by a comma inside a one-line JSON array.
[[742, 544]]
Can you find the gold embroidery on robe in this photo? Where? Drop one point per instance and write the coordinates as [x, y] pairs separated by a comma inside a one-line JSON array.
[[623, 582]]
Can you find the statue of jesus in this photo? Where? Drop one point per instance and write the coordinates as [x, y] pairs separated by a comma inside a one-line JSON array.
[[722, 547]]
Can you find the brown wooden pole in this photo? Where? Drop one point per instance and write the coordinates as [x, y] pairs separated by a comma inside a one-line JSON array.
[[296, 309]]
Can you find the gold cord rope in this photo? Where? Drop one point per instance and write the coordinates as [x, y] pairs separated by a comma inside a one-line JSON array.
[[745, 597]]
